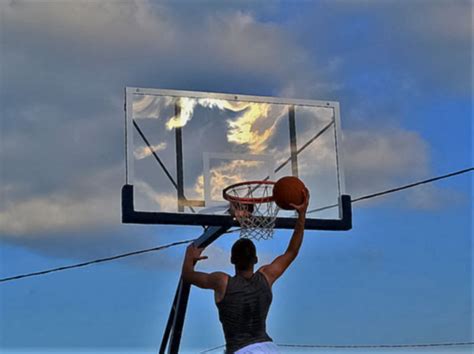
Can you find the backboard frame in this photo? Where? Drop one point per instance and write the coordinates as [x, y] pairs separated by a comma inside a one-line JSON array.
[[133, 216]]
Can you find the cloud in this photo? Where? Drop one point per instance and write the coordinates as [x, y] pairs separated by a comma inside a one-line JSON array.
[[444, 21], [382, 158], [382, 49], [253, 128], [187, 107], [431, 197], [437, 50], [65, 65], [145, 151], [57, 213], [149, 199], [94, 204], [385, 158], [229, 173], [219, 259], [436, 53]]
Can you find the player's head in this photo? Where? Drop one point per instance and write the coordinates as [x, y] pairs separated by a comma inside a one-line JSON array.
[[244, 254]]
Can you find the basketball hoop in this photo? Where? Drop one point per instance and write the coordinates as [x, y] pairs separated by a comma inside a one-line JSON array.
[[253, 206]]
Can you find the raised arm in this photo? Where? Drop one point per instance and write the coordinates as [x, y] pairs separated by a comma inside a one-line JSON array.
[[275, 269], [203, 280]]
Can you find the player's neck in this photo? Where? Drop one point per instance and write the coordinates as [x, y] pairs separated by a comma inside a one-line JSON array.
[[245, 273]]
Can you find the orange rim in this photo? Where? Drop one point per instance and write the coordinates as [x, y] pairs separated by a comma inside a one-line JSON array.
[[247, 200]]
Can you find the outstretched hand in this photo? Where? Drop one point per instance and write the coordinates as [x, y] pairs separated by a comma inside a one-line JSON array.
[[301, 208], [194, 253]]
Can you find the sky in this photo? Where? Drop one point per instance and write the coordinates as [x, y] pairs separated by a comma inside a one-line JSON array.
[[402, 73]]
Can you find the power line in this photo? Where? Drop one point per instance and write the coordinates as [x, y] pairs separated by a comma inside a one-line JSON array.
[[159, 248], [373, 346], [392, 190], [212, 349], [377, 346], [411, 185]]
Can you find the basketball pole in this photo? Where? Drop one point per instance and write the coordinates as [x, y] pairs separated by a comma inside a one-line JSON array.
[[174, 326]]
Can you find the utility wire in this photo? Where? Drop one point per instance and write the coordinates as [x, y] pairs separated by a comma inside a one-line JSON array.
[[212, 349], [415, 184], [374, 346], [378, 346], [411, 185], [159, 248], [2, 280]]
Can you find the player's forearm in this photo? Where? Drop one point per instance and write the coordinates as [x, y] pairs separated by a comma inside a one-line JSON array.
[[297, 238], [188, 267]]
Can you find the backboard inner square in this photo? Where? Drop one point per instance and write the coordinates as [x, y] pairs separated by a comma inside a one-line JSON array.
[[224, 169]]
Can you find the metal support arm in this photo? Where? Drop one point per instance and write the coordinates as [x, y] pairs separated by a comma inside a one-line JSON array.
[[174, 326]]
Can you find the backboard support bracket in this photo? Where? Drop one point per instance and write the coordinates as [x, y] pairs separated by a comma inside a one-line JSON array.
[[174, 327]]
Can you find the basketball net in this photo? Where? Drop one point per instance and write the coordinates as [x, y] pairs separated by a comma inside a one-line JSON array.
[[253, 207]]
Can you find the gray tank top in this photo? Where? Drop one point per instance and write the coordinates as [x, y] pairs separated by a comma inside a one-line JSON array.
[[243, 311]]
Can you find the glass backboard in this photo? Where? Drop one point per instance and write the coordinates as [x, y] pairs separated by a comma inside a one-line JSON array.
[[183, 148]]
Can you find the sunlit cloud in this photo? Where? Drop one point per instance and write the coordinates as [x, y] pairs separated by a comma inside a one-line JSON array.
[[145, 151], [150, 106], [186, 105], [199, 185], [227, 174], [255, 126], [233, 172], [234, 106], [241, 131]]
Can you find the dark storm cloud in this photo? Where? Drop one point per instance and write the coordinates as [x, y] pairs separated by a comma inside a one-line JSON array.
[[64, 67]]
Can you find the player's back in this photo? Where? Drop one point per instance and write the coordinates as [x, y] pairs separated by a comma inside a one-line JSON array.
[[243, 311]]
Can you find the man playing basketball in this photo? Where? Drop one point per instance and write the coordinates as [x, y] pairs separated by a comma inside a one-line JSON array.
[[243, 300]]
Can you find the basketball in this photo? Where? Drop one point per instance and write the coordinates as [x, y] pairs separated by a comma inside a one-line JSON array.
[[288, 190]]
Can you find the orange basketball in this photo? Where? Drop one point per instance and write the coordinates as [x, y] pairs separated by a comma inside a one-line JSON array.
[[288, 190]]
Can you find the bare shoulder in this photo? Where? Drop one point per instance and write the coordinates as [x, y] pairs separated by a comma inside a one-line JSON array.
[[220, 275], [264, 270], [220, 278]]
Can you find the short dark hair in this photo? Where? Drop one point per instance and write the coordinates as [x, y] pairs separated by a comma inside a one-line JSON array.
[[244, 254]]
